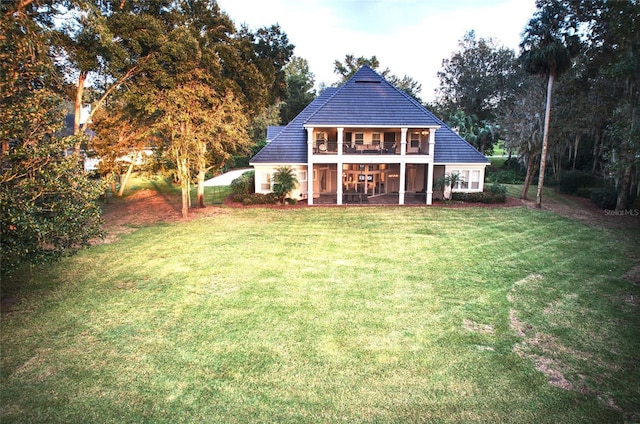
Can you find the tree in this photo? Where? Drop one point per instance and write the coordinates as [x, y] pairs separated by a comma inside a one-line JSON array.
[[548, 46], [477, 78], [284, 181], [47, 204], [118, 134], [300, 93], [407, 84], [447, 182], [522, 125], [481, 135], [613, 42], [475, 82], [112, 39], [351, 65]]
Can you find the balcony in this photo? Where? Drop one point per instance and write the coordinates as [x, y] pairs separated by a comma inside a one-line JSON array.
[[331, 148]]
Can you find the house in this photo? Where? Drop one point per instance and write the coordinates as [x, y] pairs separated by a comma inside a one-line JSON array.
[[367, 141]]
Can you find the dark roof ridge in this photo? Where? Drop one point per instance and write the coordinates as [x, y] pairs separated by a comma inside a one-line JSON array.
[[319, 102], [335, 91]]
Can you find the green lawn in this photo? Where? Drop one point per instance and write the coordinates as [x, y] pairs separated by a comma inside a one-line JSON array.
[[373, 314]]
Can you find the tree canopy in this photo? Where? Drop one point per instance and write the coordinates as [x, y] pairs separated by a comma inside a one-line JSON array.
[[174, 75], [47, 203]]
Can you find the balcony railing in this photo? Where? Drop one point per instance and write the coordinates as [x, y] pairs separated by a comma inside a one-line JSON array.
[[331, 148], [370, 149]]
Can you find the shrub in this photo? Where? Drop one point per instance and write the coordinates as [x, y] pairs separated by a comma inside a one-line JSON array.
[[461, 197], [497, 189], [498, 195], [255, 199], [605, 197], [495, 193], [474, 197], [244, 184], [509, 176], [493, 198], [570, 182]]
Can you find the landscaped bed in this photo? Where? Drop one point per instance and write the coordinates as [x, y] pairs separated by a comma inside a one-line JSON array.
[[374, 314]]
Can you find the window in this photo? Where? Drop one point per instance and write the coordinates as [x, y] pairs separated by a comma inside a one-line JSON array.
[[415, 140], [375, 139], [469, 179], [302, 176], [464, 184], [475, 179], [265, 185], [359, 137]]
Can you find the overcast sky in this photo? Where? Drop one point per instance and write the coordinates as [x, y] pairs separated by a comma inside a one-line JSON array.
[[410, 37]]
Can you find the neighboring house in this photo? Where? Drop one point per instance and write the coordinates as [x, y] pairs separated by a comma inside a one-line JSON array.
[[91, 160], [367, 141]]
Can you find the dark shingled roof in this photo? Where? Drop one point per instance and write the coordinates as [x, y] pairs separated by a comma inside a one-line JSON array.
[[290, 145], [273, 131], [365, 100]]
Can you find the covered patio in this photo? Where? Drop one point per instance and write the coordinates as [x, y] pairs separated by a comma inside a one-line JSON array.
[[362, 199]]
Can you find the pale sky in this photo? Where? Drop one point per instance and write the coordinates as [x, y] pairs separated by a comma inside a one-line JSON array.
[[410, 37]]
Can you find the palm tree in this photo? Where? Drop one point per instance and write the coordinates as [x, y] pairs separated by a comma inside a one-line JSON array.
[[284, 180], [549, 44], [450, 179]]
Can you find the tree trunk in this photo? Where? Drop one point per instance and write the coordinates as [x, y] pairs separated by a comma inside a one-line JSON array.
[[596, 150], [545, 142], [113, 183], [200, 191], [77, 109], [531, 164], [202, 170], [184, 185], [623, 191], [633, 190], [575, 148], [124, 179]]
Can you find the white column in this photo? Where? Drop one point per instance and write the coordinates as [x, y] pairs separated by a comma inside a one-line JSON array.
[[432, 141], [403, 165], [429, 189], [403, 173], [310, 166], [403, 141], [339, 165]]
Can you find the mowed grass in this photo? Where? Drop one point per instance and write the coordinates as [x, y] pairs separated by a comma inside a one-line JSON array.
[[372, 314]]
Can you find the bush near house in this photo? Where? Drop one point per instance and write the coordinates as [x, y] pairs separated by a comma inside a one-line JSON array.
[[255, 199], [244, 184], [495, 193]]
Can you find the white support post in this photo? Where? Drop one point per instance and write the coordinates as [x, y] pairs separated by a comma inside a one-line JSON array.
[[432, 140], [403, 141], [339, 165], [403, 173], [429, 189], [310, 166]]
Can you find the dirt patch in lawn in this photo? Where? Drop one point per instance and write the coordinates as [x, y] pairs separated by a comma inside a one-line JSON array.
[[584, 210]]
